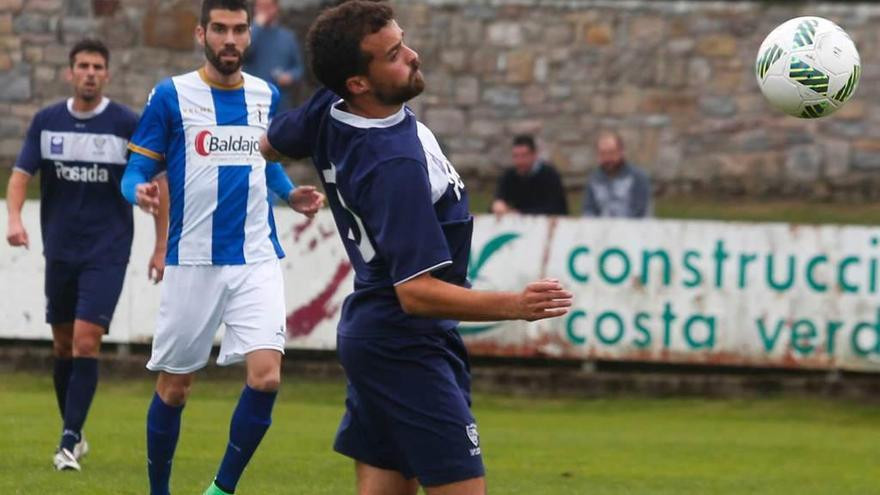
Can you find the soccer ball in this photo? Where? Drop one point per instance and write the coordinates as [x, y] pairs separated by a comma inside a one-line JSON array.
[[808, 67]]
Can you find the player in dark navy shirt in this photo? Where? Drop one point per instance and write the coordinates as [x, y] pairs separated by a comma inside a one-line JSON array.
[[402, 213], [78, 147]]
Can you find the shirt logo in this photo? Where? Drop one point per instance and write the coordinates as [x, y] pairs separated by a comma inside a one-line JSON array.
[[56, 145], [73, 173], [472, 434], [206, 144]]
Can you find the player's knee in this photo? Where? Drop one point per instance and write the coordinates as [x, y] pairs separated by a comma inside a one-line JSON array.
[[267, 381], [174, 390], [175, 396], [62, 348], [87, 348]]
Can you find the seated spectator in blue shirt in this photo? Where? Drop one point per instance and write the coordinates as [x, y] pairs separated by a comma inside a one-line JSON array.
[[617, 188], [532, 186], [274, 54]]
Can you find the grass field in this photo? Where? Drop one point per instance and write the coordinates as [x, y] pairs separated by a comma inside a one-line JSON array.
[[531, 446]]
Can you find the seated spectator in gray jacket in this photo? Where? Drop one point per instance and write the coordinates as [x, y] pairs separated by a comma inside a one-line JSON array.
[[532, 186], [617, 188]]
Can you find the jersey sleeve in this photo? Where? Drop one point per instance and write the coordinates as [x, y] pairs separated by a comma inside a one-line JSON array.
[[30, 156], [294, 132], [152, 135], [396, 208]]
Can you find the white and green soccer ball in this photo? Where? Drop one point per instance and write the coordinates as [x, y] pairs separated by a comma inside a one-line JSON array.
[[808, 67]]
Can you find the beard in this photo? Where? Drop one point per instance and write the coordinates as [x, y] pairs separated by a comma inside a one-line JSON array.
[[398, 95], [225, 68]]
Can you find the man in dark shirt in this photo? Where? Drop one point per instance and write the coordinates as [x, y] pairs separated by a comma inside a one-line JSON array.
[[531, 186], [78, 147]]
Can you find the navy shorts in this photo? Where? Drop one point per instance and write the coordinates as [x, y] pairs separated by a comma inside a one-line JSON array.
[[408, 407], [83, 291]]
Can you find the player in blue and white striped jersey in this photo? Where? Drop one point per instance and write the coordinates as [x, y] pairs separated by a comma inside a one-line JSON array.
[[222, 261], [78, 147]]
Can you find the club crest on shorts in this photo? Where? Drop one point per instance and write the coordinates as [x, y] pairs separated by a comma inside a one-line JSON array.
[[472, 434]]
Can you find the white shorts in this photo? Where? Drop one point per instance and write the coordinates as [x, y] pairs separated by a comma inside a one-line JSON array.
[[248, 299]]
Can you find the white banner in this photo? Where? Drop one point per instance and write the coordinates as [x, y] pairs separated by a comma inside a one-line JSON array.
[[663, 291]]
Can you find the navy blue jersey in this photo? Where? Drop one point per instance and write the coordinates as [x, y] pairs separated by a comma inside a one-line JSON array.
[[399, 205], [81, 157]]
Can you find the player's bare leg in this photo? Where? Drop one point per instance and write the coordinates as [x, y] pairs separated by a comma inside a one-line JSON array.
[[473, 486], [264, 370], [375, 481], [174, 389]]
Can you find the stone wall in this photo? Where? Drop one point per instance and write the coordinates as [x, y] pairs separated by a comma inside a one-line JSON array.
[[674, 77]]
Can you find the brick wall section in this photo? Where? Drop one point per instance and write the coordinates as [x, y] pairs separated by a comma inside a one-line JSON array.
[[675, 78]]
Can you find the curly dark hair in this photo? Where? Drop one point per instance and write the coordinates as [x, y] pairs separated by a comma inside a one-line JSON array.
[[334, 41], [89, 45], [233, 5]]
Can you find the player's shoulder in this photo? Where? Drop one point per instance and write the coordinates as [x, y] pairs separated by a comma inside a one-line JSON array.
[[163, 90], [122, 112], [51, 111], [254, 84]]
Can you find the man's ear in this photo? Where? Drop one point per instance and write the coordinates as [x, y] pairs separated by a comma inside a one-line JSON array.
[[200, 35], [357, 85]]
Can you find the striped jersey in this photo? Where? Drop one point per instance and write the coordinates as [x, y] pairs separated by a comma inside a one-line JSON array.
[[81, 157], [208, 138]]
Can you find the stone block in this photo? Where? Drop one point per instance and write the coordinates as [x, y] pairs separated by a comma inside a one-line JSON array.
[[78, 8], [803, 163], [486, 128], [502, 96], [43, 5], [31, 23], [44, 74], [76, 28], [506, 34], [15, 84], [467, 90], [520, 67], [13, 6], [646, 29], [558, 34], [717, 45], [717, 106], [171, 29], [866, 155], [837, 157], [455, 59], [445, 120], [33, 54], [6, 25], [598, 34]]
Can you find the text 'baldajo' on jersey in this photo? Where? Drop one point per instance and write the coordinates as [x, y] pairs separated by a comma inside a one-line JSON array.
[[208, 138]]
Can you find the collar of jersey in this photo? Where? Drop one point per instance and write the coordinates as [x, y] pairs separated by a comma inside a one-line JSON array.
[[213, 84], [91, 113], [365, 123]]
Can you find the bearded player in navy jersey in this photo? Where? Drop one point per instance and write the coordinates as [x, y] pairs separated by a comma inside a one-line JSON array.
[[402, 213], [78, 147]]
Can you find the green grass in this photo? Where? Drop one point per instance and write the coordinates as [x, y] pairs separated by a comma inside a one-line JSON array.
[[531, 446]]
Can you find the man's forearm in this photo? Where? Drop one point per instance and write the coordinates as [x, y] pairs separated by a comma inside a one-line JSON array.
[[161, 219], [16, 191], [433, 298]]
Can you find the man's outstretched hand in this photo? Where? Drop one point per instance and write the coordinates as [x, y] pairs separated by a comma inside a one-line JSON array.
[[306, 200]]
